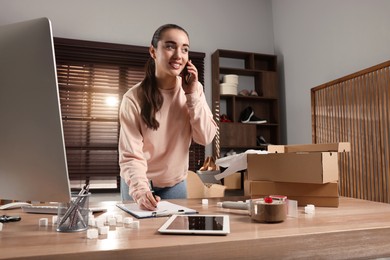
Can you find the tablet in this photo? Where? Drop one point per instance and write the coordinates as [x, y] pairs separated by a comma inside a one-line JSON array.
[[196, 225]]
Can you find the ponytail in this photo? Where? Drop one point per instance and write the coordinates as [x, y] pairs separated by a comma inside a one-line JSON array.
[[150, 96]]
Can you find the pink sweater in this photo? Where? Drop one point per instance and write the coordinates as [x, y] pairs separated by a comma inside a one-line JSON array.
[[162, 155]]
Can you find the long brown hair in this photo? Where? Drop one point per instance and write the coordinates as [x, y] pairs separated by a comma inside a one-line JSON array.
[[150, 96]]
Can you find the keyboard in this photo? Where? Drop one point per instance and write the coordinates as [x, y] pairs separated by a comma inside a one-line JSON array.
[[44, 209]]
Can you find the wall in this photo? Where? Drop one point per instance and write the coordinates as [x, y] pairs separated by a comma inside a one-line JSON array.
[[318, 41], [212, 24], [315, 40]]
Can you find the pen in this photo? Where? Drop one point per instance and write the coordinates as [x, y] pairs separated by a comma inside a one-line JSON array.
[[74, 206], [152, 189], [171, 213]]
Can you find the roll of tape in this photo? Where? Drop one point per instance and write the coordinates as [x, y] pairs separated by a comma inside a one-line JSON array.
[[262, 211]]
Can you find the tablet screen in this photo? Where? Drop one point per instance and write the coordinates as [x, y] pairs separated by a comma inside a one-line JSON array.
[[197, 224]]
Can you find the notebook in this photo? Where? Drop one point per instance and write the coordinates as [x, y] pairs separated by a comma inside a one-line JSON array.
[[164, 209]]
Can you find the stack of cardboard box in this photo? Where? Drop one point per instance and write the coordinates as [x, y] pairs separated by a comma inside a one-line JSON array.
[[306, 173]]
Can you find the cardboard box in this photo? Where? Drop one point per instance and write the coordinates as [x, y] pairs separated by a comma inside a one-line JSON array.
[[319, 167], [326, 147], [197, 189], [233, 181], [322, 195], [316, 201], [297, 189]]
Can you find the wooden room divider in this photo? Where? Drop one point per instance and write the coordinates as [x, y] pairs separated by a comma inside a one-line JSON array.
[[355, 109]]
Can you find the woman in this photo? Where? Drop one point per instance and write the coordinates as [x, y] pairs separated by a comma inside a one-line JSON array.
[[159, 117]]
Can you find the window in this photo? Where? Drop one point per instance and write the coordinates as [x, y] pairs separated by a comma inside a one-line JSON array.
[[92, 78]]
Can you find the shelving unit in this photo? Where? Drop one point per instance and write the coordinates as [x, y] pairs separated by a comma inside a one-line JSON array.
[[261, 70]]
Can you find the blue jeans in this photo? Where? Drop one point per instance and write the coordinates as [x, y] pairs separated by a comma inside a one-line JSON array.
[[178, 191]]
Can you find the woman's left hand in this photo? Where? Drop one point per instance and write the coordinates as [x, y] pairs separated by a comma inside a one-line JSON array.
[[190, 81]]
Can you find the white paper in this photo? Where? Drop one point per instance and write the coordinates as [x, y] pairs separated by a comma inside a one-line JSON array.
[[163, 208], [235, 163]]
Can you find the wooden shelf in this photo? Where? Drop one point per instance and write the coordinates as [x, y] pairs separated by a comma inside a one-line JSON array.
[[263, 69]]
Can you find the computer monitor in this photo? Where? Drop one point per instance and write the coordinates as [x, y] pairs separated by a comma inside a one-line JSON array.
[[33, 164]]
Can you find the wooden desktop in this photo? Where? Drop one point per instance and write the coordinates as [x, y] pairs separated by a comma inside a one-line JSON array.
[[356, 229]]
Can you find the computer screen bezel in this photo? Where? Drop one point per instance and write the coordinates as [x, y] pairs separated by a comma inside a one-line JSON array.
[[166, 228], [33, 165]]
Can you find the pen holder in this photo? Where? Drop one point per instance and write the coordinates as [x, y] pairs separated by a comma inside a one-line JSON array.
[[73, 215]]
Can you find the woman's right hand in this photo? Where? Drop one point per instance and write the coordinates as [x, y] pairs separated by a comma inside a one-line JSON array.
[[148, 201], [190, 81]]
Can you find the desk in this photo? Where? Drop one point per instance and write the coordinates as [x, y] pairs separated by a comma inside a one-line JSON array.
[[356, 229]]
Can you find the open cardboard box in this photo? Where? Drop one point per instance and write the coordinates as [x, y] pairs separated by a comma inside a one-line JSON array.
[[197, 189]]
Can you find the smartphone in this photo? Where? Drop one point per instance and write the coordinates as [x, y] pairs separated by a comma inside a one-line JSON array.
[[185, 75], [5, 218]]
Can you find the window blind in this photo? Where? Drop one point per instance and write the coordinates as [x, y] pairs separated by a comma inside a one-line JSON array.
[[92, 78]]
